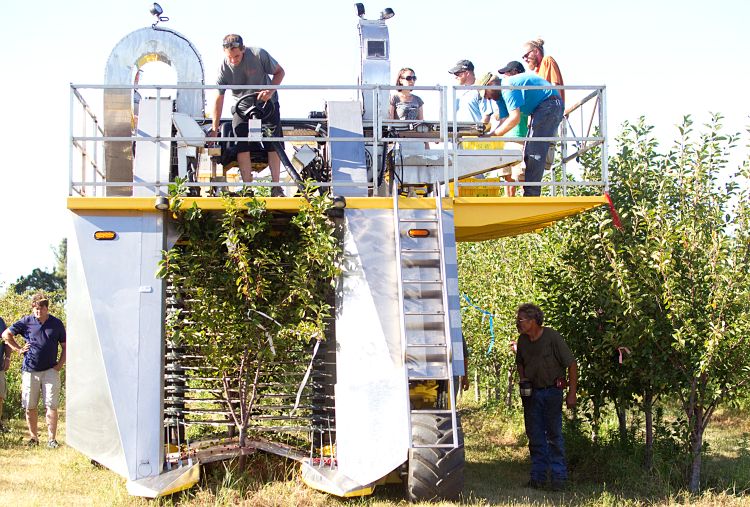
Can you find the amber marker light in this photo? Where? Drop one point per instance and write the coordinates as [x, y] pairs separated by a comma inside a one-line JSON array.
[[105, 235], [419, 233]]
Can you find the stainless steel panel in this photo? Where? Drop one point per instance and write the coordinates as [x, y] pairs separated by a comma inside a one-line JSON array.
[[92, 426], [116, 373], [454, 297], [348, 159], [376, 64], [372, 416]]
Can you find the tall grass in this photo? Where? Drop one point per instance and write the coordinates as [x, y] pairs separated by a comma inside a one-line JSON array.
[[602, 474]]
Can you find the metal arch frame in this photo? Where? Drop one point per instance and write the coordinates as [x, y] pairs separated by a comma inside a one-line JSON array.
[[132, 51]]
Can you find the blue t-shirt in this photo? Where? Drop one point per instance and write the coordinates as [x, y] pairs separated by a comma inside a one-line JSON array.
[[468, 107], [2, 343], [497, 107], [43, 340], [525, 100]]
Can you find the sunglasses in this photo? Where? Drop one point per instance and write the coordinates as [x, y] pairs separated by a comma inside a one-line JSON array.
[[231, 45], [409, 78], [526, 56]]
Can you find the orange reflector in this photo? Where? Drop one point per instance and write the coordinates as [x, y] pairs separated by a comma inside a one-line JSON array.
[[419, 233], [105, 235]]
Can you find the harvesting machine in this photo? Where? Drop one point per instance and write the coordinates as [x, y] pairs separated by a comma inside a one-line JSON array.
[[376, 400]]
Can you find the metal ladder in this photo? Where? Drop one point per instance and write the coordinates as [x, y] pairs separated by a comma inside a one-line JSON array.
[[423, 304]]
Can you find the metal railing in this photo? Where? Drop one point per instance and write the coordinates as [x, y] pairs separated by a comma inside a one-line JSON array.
[[583, 129]]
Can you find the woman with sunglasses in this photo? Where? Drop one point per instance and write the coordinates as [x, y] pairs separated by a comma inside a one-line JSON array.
[[404, 104]]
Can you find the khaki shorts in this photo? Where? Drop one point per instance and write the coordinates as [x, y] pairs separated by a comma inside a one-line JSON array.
[[46, 382], [3, 387], [518, 171]]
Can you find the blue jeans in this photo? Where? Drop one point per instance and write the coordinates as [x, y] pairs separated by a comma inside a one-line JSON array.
[[544, 122], [544, 429]]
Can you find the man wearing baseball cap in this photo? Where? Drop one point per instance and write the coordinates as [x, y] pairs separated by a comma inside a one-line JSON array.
[[467, 105], [546, 110], [249, 66]]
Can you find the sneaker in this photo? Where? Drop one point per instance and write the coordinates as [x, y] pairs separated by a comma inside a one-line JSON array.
[[32, 442], [559, 485], [534, 484], [277, 192], [52, 444]]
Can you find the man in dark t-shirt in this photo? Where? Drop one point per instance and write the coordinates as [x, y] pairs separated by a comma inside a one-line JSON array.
[[43, 334], [249, 66], [542, 358]]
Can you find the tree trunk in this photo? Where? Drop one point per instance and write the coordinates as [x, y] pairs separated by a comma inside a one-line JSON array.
[[648, 407], [595, 424], [622, 423], [499, 393], [696, 448], [476, 386], [242, 442], [509, 391]]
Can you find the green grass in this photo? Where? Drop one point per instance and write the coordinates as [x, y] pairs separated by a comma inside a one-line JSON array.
[[496, 469]]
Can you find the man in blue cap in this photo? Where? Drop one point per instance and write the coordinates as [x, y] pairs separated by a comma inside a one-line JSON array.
[[545, 107], [467, 105]]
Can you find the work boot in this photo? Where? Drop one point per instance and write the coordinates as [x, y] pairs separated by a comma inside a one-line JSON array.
[[277, 192], [534, 484], [32, 442], [559, 485]]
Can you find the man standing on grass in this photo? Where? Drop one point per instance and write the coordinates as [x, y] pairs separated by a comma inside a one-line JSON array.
[[4, 365], [542, 358], [41, 367]]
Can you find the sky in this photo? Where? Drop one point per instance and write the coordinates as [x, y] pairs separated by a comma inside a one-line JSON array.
[[661, 59]]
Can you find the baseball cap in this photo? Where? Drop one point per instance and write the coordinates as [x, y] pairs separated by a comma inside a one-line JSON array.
[[232, 41], [462, 65], [512, 66]]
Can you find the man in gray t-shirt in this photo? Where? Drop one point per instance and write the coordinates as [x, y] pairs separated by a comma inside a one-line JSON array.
[[543, 359], [249, 66]]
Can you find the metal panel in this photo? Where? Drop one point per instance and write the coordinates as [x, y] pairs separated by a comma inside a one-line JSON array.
[[91, 422], [454, 298], [152, 159], [372, 413], [134, 50], [348, 159], [376, 63], [127, 331]]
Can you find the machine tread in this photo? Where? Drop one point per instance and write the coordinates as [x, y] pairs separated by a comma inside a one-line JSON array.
[[435, 473]]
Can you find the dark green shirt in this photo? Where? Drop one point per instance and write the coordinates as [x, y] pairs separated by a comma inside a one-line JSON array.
[[545, 359]]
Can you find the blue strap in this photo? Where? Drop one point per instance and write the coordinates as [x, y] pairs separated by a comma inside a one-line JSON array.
[[491, 319]]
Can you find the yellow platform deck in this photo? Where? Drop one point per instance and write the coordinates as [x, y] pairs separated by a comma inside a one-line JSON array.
[[476, 218]]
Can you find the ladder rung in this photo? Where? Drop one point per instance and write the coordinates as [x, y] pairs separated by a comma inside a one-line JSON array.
[[433, 446], [419, 220], [422, 281], [427, 345], [434, 411], [428, 378], [425, 313], [419, 250]]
